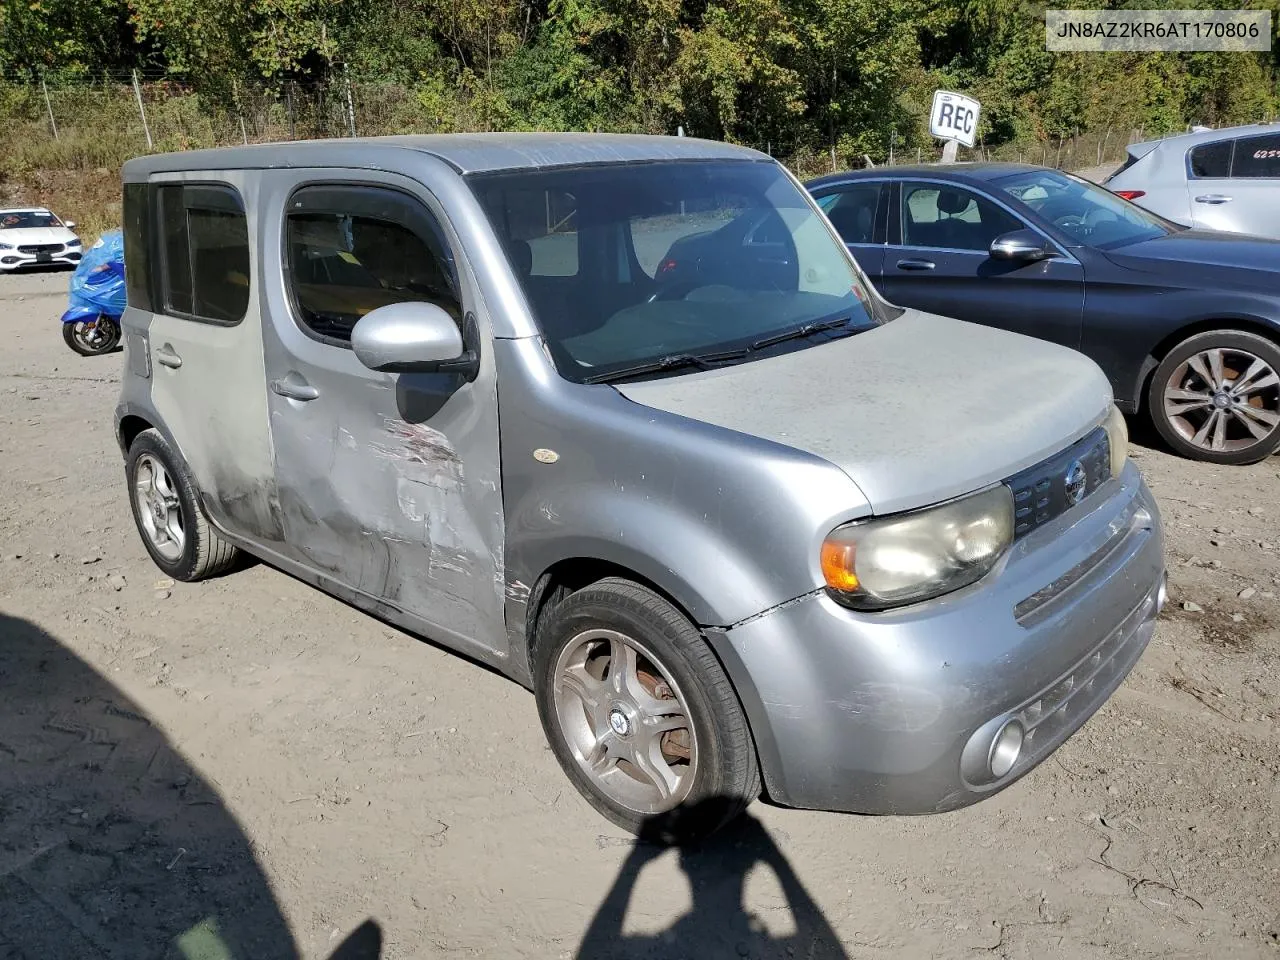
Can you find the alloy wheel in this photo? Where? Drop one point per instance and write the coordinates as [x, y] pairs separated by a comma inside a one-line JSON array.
[[625, 721], [159, 508], [1223, 400]]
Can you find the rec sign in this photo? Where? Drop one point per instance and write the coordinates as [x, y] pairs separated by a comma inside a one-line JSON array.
[[954, 117]]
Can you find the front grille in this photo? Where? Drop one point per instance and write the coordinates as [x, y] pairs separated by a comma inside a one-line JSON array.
[[40, 248], [1052, 487]]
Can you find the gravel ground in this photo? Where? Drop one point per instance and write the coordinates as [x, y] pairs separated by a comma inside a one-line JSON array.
[[247, 768]]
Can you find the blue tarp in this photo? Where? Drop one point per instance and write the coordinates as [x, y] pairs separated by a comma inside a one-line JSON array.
[[98, 282]]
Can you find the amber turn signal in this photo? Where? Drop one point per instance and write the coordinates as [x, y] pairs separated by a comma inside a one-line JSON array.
[[837, 566]]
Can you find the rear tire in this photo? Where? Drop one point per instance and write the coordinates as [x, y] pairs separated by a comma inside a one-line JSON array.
[[168, 515], [1216, 397], [92, 338], [640, 714]]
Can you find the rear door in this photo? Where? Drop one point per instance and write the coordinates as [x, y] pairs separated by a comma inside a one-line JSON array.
[[1246, 201], [858, 211], [389, 484], [204, 341], [937, 260]]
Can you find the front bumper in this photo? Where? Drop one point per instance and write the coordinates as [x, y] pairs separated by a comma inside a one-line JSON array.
[[895, 712], [16, 259]]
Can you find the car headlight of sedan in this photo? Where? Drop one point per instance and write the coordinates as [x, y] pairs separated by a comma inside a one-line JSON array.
[[6, 246], [888, 562], [73, 242], [1118, 439]]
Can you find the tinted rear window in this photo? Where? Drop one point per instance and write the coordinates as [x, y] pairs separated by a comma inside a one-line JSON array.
[[204, 237], [1257, 157], [1212, 160]]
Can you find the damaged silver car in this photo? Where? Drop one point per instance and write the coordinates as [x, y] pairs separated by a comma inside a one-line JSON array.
[[620, 417]]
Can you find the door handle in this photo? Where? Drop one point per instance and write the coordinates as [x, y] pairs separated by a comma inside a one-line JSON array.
[[166, 356], [916, 264], [1213, 198], [294, 391]]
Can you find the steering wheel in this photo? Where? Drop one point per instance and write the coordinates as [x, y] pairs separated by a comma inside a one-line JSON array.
[[1074, 223]]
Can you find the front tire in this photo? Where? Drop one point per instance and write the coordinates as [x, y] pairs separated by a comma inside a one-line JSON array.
[[1216, 397], [641, 715], [167, 514], [92, 338]]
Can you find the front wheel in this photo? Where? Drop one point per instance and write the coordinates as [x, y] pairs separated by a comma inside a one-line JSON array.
[[1216, 397], [92, 337], [641, 715]]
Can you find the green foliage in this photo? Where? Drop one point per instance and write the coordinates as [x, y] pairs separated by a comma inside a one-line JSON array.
[[803, 77], [65, 39]]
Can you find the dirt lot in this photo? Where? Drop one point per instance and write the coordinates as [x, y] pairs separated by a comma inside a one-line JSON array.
[[247, 768]]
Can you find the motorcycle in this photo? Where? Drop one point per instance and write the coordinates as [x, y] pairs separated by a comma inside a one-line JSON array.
[[91, 325]]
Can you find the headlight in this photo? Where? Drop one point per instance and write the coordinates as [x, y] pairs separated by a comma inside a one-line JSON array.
[[874, 564], [73, 242], [6, 246], [1118, 439]]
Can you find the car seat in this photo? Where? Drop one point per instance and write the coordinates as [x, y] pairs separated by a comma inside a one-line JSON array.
[[854, 224]]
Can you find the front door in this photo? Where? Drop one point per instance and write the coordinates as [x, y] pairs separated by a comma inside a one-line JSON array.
[[937, 260], [389, 484], [204, 337]]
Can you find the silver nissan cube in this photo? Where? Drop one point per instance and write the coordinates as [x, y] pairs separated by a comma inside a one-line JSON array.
[[620, 417]]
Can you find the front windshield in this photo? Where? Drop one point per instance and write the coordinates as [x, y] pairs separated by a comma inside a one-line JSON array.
[[625, 264], [25, 219], [1087, 213]]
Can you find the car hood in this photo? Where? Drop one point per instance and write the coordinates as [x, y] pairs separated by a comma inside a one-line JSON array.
[[36, 235], [1192, 250], [915, 412]]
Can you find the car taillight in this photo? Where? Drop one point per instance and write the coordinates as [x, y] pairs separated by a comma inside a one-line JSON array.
[[1129, 194]]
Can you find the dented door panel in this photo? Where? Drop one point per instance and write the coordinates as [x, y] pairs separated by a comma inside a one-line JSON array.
[[388, 483], [207, 388]]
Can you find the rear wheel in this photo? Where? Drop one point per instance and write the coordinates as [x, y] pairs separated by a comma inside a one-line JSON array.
[[640, 714], [1216, 397], [90, 338], [163, 496]]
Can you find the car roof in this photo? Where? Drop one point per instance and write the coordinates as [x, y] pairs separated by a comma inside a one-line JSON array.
[[960, 172], [465, 152], [1185, 140], [25, 210]]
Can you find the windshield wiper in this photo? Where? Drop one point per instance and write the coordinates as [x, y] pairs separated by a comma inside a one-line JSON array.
[[674, 361], [807, 330]]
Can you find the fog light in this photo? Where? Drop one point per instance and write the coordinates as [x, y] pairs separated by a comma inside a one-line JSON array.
[[1005, 749], [9, 260]]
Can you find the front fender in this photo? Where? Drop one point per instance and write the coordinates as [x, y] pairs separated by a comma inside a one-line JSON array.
[[647, 537]]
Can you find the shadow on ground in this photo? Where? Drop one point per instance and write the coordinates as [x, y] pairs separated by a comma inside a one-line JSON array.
[[111, 845], [718, 923]]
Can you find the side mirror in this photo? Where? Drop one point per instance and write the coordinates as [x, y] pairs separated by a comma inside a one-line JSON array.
[[1024, 245], [69, 224], [412, 337]]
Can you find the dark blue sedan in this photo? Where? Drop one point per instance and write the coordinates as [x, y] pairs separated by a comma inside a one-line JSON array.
[[1185, 323]]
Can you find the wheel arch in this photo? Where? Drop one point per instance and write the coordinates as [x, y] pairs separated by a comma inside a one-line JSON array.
[[1270, 329], [128, 428]]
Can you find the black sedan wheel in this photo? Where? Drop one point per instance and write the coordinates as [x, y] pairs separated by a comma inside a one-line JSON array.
[[1216, 397]]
